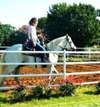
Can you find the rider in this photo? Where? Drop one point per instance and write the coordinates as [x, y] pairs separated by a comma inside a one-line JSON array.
[[33, 40]]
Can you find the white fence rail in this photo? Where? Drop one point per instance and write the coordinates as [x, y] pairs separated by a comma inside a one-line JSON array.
[[64, 63]]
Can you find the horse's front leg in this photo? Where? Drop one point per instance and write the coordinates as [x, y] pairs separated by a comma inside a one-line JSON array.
[[55, 71], [51, 69]]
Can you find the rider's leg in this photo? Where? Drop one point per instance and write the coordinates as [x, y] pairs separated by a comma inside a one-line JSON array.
[[30, 43], [41, 48]]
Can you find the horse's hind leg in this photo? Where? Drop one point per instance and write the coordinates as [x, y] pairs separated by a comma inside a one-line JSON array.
[[16, 72], [8, 72]]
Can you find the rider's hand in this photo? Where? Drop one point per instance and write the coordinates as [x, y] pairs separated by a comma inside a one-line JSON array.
[[34, 44]]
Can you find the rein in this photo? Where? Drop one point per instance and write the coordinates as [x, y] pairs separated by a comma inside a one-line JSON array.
[[63, 48], [48, 49]]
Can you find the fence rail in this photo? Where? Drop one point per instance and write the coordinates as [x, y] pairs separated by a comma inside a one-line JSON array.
[[64, 63]]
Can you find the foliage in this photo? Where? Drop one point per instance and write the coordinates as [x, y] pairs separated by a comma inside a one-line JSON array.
[[98, 88], [56, 24], [68, 86], [19, 94], [83, 25], [42, 23], [84, 97], [41, 92], [79, 21], [5, 32], [17, 37], [10, 36]]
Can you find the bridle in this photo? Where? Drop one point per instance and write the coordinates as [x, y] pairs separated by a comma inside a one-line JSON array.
[[64, 47]]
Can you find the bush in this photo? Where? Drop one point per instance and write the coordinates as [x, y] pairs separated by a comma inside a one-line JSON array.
[[68, 85], [67, 88], [16, 96], [98, 88], [41, 92], [19, 94]]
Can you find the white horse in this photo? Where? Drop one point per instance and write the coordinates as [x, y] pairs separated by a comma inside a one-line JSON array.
[[58, 44]]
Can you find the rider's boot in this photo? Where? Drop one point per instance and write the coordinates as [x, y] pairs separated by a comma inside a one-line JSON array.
[[45, 61]]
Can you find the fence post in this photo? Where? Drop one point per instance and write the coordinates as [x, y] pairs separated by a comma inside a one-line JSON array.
[[89, 54], [64, 66]]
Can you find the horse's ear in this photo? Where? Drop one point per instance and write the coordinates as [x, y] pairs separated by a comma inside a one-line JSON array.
[[67, 36]]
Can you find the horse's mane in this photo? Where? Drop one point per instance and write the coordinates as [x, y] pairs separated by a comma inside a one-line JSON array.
[[59, 38], [56, 41]]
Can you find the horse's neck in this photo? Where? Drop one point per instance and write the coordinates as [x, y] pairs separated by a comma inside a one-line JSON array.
[[54, 44]]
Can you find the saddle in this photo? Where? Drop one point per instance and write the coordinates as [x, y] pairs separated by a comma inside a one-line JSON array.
[[26, 47]]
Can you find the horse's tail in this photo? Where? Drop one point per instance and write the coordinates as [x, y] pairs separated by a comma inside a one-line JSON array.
[[2, 67]]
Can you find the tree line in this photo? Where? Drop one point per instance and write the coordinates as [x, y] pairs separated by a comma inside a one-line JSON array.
[[79, 21]]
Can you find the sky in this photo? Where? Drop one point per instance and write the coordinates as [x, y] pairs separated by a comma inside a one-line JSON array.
[[18, 12]]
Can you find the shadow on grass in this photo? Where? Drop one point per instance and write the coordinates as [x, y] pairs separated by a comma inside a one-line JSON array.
[[3, 100], [29, 98], [92, 93]]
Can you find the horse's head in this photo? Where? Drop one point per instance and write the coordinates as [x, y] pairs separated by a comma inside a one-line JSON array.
[[61, 43], [67, 43]]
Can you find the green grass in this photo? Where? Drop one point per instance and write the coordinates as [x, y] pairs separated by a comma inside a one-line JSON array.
[[84, 97]]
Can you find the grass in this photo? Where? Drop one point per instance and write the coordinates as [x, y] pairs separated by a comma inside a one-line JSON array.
[[85, 97]]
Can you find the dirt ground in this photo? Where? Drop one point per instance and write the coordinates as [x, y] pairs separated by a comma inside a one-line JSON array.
[[69, 69]]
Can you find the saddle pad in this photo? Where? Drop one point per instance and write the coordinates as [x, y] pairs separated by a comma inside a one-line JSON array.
[[26, 48]]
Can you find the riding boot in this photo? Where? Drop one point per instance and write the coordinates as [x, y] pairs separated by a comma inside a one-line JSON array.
[[45, 61]]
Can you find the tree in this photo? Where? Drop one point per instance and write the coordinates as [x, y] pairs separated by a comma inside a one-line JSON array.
[[10, 36], [79, 21], [56, 22], [17, 37], [5, 31], [83, 26], [42, 27], [42, 23]]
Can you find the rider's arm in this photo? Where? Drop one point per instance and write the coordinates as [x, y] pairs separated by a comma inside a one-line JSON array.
[[31, 36]]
